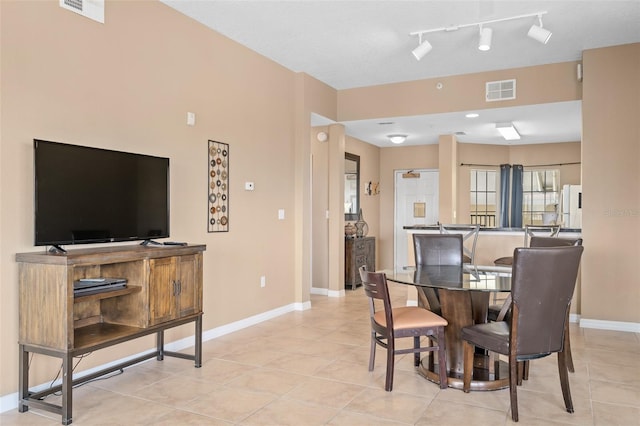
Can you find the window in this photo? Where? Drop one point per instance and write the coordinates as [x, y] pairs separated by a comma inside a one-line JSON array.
[[484, 196], [540, 196]]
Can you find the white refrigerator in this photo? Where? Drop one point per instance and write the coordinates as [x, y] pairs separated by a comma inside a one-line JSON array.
[[572, 206]]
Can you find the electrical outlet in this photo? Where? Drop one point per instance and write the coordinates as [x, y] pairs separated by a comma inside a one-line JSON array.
[[263, 281]]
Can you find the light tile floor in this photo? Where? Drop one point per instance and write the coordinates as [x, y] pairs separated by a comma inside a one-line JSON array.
[[310, 368]]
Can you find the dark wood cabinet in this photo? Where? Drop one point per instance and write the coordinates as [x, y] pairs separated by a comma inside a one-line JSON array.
[[357, 252], [164, 290]]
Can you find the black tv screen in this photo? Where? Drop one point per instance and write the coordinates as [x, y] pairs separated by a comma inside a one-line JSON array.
[[91, 195]]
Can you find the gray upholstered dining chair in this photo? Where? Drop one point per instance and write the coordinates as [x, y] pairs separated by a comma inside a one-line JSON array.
[[389, 324], [540, 300], [436, 249]]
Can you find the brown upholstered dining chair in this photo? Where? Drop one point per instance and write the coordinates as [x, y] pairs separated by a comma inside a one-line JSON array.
[[531, 231], [541, 296], [469, 239], [389, 324], [436, 249], [499, 312]]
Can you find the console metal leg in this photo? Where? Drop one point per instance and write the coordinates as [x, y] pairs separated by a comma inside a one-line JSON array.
[[160, 345], [198, 343], [67, 388], [23, 386]]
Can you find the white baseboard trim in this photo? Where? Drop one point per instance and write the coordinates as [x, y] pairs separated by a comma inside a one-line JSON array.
[[632, 327], [326, 292], [10, 401]]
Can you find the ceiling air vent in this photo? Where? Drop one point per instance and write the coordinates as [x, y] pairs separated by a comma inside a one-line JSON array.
[[92, 9], [500, 90]]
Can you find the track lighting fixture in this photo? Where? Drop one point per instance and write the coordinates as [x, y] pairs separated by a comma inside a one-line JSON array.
[[397, 139], [485, 33], [423, 48], [538, 33], [485, 38]]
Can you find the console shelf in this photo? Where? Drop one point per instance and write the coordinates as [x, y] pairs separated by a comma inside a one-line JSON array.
[[107, 294], [164, 290]]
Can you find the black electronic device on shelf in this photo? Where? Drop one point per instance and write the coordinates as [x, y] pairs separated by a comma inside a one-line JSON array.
[[86, 286]]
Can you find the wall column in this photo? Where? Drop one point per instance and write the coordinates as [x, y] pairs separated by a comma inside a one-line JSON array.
[[448, 172], [336, 209]]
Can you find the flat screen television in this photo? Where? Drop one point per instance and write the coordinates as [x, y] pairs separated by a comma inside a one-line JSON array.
[[91, 195]]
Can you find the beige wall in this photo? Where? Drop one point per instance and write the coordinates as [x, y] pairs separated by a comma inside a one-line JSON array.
[[324, 247], [535, 85], [127, 85], [611, 184]]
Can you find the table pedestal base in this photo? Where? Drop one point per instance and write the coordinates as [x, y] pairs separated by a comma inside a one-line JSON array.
[[483, 378]]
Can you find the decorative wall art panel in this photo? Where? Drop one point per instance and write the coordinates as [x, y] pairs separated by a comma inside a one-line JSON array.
[[218, 204]]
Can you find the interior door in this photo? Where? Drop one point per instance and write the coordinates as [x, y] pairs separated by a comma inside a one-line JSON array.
[[416, 203]]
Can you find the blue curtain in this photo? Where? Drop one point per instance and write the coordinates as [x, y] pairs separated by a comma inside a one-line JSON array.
[[516, 197], [503, 218]]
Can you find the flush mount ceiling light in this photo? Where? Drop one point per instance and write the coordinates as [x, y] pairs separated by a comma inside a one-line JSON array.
[[536, 32], [508, 131], [398, 138]]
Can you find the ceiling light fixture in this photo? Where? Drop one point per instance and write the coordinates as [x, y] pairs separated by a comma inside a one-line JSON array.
[[484, 43], [535, 32], [472, 115], [423, 48], [538, 33], [398, 138], [508, 131]]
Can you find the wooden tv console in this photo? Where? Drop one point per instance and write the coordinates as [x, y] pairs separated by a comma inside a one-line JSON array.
[[164, 290]]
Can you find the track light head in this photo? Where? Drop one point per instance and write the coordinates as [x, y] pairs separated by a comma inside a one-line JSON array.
[[538, 33], [485, 38], [423, 48]]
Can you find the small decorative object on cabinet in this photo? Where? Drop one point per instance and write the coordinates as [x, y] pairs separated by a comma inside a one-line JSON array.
[[362, 228], [358, 252], [163, 290]]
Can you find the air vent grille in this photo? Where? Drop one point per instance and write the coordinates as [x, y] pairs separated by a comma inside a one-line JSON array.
[[76, 4], [500, 90], [92, 9]]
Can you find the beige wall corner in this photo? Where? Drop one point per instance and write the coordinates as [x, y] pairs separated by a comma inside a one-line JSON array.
[[610, 182]]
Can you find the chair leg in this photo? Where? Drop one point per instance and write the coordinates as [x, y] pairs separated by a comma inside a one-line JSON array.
[[469, 350], [372, 353], [564, 381], [388, 384], [567, 348], [416, 354], [442, 359], [513, 387], [525, 372], [520, 372]]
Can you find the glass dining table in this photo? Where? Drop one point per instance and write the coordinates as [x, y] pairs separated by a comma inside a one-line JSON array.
[[461, 295]]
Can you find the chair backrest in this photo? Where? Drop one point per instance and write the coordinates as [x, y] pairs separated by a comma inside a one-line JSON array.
[[542, 286], [375, 287], [530, 231], [554, 242], [469, 237], [437, 249]]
